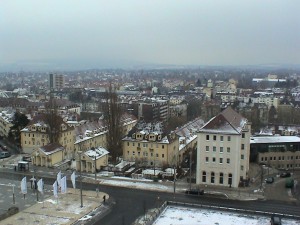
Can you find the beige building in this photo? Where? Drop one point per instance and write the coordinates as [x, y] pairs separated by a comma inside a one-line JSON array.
[[223, 150], [48, 155], [148, 145], [94, 158], [36, 135], [6, 118]]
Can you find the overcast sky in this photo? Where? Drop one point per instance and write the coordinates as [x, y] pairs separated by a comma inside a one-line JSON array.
[[186, 32]]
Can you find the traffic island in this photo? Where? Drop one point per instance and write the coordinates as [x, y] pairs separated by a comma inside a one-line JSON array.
[[66, 209]]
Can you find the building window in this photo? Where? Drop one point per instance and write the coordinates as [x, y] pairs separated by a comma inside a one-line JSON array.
[[274, 157], [242, 168], [151, 154], [144, 145], [221, 149], [206, 159], [214, 159], [163, 146], [163, 155], [127, 143], [282, 157], [139, 153], [204, 176], [139, 144], [243, 147], [228, 138], [221, 138], [207, 137], [279, 158], [133, 153], [212, 178], [221, 178], [207, 148], [228, 161], [221, 160], [242, 156], [215, 137], [228, 149], [133, 144], [230, 179], [214, 148], [243, 135]]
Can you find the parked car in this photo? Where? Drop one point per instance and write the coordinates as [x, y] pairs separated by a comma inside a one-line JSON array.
[[4, 154], [275, 220], [194, 192], [289, 182], [285, 174], [269, 180]]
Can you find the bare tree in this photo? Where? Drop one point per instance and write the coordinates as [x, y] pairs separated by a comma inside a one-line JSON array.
[[53, 121], [112, 117]]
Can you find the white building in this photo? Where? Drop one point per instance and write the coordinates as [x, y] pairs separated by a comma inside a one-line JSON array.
[[223, 150]]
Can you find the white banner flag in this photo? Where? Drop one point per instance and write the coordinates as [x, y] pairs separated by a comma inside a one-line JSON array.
[[55, 189], [40, 186], [24, 186], [58, 178], [73, 177], [64, 185]]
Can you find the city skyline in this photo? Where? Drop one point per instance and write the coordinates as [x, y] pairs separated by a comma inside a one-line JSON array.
[[98, 34]]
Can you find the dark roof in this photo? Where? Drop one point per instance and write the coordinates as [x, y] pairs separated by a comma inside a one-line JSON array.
[[51, 147]]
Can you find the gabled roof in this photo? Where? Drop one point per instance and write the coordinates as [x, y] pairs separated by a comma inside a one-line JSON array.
[[228, 121], [51, 148]]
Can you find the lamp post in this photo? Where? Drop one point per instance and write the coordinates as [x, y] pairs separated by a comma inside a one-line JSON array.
[[190, 170], [80, 175], [95, 166]]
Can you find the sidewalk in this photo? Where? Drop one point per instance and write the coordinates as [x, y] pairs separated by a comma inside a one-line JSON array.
[[64, 210]]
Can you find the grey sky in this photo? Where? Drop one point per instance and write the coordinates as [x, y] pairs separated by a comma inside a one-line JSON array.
[[200, 32]]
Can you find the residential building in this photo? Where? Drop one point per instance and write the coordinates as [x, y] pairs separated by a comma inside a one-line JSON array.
[[56, 81], [223, 150], [36, 134], [147, 144], [6, 118]]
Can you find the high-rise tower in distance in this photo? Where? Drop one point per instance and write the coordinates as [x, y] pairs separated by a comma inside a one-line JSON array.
[[56, 81]]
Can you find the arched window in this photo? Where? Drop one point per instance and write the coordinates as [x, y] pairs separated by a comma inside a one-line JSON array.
[[212, 178], [230, 179], [204, 176], [221, 178]]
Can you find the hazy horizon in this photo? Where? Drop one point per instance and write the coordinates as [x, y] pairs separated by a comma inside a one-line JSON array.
[[62, 34]]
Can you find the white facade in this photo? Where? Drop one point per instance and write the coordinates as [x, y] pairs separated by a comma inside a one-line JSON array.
[[223, 150]]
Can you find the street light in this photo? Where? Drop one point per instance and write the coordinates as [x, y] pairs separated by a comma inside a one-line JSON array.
[[95, 165], [190, 170], [80, 175]]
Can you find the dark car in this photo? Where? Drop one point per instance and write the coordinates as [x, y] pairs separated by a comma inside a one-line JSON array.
[[270, 180], [275, 220], [194, 192], [285, 174], [4, 154]]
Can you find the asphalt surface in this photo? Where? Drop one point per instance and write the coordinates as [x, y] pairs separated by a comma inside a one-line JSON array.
[[127, 204]]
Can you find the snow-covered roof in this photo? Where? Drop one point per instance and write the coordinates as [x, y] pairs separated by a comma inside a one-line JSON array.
[[274, 139], [97, 152]]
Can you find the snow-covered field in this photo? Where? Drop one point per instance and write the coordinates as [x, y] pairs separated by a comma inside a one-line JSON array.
[[174, 215]]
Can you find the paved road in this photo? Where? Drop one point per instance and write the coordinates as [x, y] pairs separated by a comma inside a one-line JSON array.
[[129, 204]]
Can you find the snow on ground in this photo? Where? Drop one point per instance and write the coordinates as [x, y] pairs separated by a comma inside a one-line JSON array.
[[135, 184], [191, 216]]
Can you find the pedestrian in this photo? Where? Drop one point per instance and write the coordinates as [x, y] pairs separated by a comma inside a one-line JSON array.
[[104, 198]]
